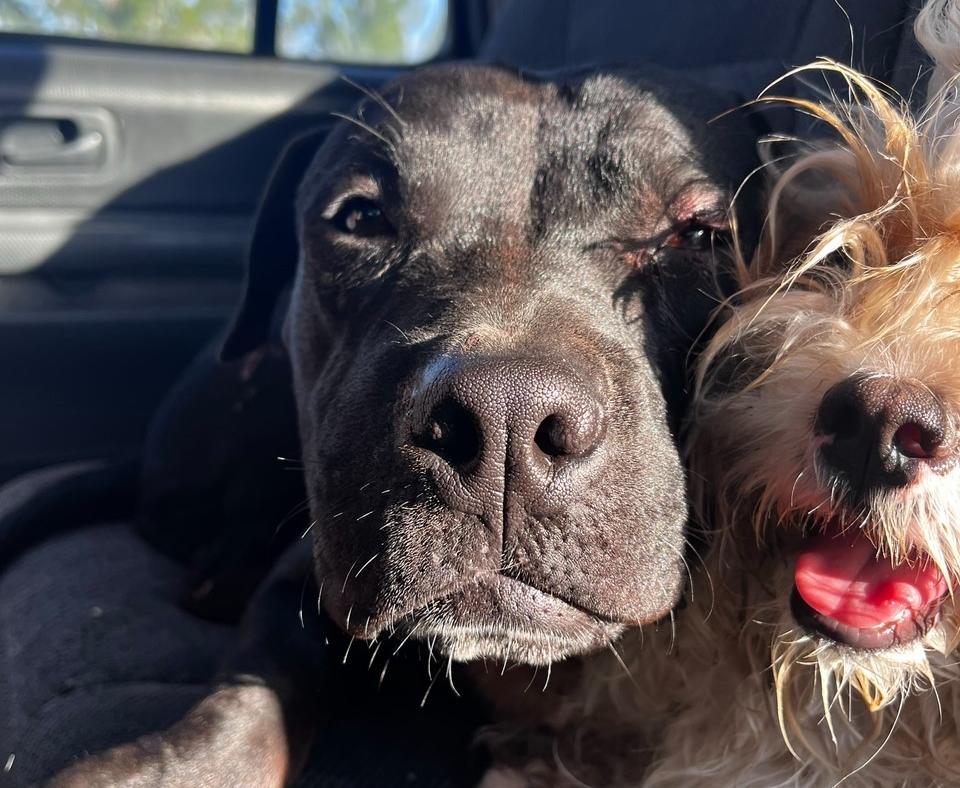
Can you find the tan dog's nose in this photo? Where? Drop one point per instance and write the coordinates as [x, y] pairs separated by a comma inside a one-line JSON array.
[[880, 430], [511, 424]]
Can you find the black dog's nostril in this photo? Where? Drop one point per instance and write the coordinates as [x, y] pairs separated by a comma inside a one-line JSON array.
[[550, 437], [452, 433], [560, 436]]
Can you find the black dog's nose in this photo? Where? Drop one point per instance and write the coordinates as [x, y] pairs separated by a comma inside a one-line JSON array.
[[516, 419], [880, 430]]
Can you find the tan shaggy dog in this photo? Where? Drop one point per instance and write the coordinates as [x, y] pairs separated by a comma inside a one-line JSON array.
[[819, 644]]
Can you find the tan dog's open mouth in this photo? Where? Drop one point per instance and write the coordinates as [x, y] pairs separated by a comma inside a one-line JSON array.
[[845, 591]]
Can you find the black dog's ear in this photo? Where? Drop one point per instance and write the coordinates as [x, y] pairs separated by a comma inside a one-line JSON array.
[[273, 253]]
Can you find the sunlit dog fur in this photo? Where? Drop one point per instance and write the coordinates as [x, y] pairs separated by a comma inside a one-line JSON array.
[[738, 693]]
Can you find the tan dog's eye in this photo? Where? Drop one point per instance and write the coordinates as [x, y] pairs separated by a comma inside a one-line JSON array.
[[361, 216]]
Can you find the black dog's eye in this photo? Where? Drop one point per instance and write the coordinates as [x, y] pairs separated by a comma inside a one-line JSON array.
[[696, 237], [363, 217]]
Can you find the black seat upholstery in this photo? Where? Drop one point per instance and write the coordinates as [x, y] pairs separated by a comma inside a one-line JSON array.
[[740, 44]]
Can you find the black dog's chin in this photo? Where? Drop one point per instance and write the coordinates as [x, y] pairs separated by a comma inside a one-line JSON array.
[[499, 618]]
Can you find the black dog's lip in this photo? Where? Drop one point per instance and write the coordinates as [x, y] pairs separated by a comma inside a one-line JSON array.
[[900, 633], [494, 605], [511, 588]]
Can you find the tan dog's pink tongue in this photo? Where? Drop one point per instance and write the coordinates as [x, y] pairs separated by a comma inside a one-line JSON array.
[[842, 577]]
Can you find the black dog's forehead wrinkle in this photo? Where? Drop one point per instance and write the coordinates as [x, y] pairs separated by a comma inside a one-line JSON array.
[[464, 146], [472, 175], [512, 301], [545, 162], [423, 102]]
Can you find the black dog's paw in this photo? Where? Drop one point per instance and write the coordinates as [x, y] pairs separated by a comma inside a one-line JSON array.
[[233, 738]]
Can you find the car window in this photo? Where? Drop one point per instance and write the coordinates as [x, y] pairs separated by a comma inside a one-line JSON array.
[[388, 32], [225, 25], [362, 31]]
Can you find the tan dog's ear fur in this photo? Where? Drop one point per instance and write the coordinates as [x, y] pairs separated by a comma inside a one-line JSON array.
[[876, 154], [807, 195], [937, 29]]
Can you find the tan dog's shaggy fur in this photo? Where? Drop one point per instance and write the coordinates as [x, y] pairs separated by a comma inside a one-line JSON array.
[[738, 693]]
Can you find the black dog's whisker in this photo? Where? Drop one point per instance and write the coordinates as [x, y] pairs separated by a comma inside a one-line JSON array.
[[300, 463], [623, 666], [303, 594], [546, 683], [679, 553], [383, 673], [365, 127], [300, 508], [346, 578], [370, 560], [409, 634], [431, 642], [706, 573], [346, 654], [450, 676], [426, 694], [533, 678], [378, 99], [373, 656], [399, 331]]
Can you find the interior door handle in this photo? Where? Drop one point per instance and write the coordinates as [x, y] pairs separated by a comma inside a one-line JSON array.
[[34, 142]]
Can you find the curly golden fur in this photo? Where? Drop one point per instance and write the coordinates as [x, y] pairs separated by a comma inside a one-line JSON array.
[[739, 693]]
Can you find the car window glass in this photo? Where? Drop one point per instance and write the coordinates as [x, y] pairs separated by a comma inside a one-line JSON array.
[[395, 32], [225, 25], [388, 32]]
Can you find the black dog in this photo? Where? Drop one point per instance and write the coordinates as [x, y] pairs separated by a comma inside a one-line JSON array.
[[499, 281]]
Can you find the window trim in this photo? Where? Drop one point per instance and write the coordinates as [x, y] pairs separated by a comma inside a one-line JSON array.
[[265, 28], [20, 37]]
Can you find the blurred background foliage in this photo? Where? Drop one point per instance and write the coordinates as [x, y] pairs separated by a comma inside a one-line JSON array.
[[350, 31]]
